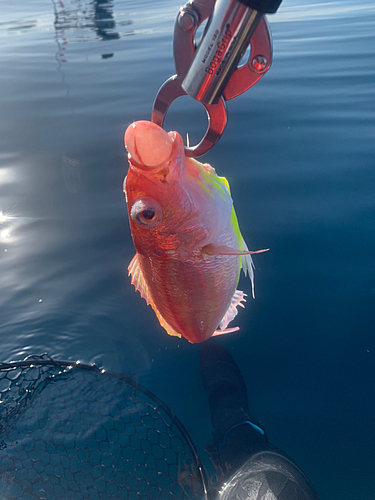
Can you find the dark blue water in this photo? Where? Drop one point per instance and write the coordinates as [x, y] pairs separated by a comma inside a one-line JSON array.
[[299, 155]]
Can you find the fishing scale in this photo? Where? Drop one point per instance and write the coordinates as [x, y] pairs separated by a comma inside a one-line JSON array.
[[208, 70]]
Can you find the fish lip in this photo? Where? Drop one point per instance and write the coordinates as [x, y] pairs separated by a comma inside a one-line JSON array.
[[177, 149]]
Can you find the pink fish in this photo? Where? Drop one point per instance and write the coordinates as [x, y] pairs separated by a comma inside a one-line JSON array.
[[189, 247]]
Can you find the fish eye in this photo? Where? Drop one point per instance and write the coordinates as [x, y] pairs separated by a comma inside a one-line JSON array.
[[146, 213]]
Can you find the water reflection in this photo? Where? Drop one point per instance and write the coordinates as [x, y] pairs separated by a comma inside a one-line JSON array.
[[5, 233], [71, 172], [6, 227], [79, 15], [313, 11], [104, 21], [4, 217], [20, 25]]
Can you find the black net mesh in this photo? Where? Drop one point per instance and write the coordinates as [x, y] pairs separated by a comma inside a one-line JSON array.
[[76, 432]]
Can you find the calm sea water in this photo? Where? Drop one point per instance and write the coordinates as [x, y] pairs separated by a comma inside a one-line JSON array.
[[299, 155]]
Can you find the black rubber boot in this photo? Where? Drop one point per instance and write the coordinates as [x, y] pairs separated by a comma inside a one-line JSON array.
[[237, 434], [251, 466]]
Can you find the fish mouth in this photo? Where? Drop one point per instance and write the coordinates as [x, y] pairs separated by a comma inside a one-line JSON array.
[[168, 164], [150, 147]]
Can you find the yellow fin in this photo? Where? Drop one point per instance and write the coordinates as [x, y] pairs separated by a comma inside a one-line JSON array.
[[137, 279], [225, 182]]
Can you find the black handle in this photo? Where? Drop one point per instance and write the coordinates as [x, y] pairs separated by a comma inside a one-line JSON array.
[[263, 6]]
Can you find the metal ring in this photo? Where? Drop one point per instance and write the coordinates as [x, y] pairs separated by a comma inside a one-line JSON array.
[[216, 114]]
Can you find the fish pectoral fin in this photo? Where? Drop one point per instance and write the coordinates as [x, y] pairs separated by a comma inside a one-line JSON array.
[[247, 263], [237, 300], [139, 282], [137, 279], [225, 250]]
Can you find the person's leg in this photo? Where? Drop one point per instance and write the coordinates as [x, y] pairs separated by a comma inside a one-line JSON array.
[[252, 467], [237, 434]]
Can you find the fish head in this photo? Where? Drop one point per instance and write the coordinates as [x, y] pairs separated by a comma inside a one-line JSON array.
[[174, 202]]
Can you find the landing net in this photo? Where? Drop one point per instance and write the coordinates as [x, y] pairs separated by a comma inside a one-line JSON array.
[[74, 431]]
